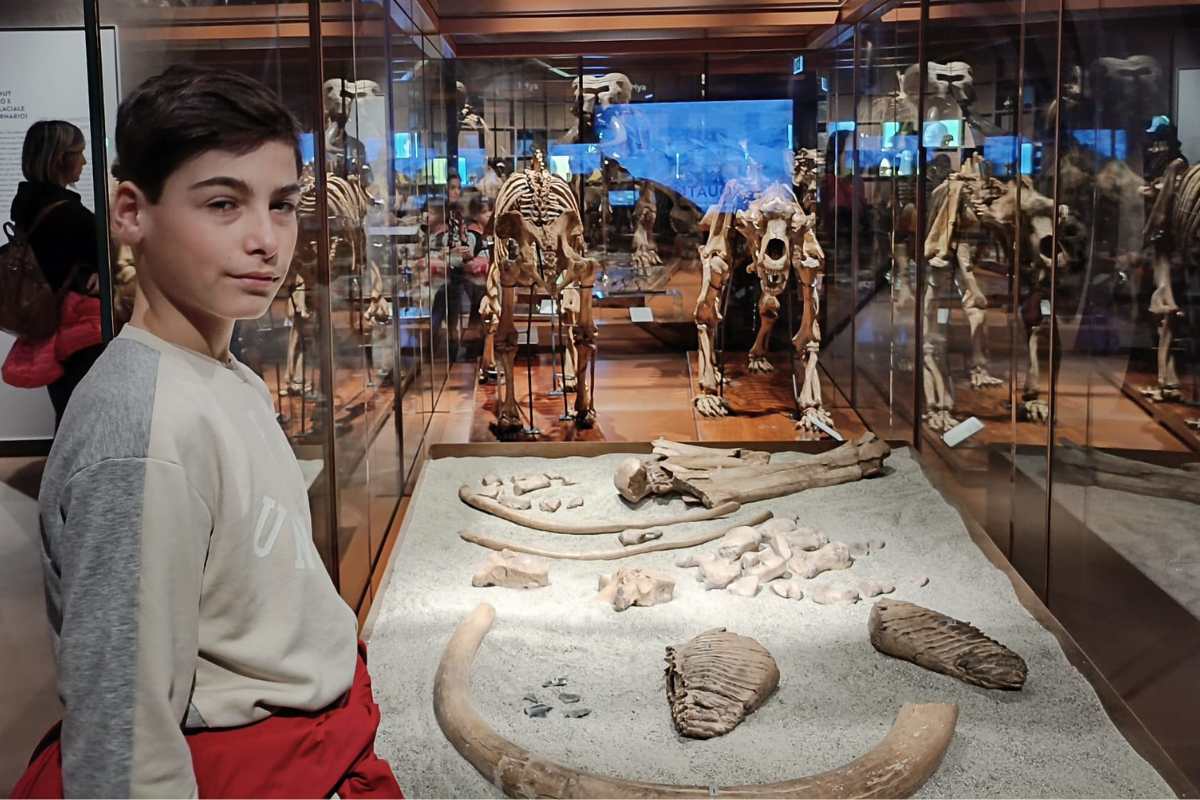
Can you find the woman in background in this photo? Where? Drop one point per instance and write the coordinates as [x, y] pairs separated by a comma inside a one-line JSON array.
[[65, 246]]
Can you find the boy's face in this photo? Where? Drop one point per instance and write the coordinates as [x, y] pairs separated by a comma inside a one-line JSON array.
[[220, 239]]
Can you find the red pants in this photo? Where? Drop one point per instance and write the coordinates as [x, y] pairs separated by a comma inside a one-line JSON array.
[[284, 755]]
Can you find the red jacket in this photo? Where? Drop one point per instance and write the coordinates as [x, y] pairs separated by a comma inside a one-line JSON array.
[[33, 364]]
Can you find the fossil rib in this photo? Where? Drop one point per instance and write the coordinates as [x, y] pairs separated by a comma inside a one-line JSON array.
[[896, 767], [610, 555], [470, 496], [944, 644]]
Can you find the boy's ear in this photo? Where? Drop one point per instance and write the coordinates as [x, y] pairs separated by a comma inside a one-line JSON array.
[[127, 217]]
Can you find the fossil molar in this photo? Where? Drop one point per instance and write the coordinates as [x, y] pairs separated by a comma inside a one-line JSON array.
[[629, 586], [716, 680], [944, 644], [513, 570]]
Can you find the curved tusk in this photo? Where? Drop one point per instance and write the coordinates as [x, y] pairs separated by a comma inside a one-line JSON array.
[[490, 506], [896, 767], [483, 540]]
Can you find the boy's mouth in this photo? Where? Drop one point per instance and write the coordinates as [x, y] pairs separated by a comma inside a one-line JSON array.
[[258, 278]]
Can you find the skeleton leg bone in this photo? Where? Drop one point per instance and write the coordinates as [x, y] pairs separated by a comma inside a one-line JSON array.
[[1163, 306], [974, 303], [768, 313], [807, 342], [939, 401], [509, 416], [708, 318]]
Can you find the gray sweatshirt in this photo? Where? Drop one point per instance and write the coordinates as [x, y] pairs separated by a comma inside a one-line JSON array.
[[182, 582]]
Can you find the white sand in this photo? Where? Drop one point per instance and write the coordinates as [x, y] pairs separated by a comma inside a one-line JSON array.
[[837, 696]]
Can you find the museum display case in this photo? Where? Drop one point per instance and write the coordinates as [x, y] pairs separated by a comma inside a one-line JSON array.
[[968, 230]]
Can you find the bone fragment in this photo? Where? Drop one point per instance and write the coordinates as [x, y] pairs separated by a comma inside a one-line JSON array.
[[777, 525], [770, 567], [833, 556], [529, 483], [630, 586], [807, 539], [550, 505], [630, 538], [607, 555], [491, 479], [834, 595], [745, 586], [789, 589], [719, 573], [944, 644], [869, 587], [576, 713], [896, 767], [779, 544], [513, 571], [739, 540], [665, 447], [750, 560], [492, 492], [575, 502], [516, 503], [696, 559]]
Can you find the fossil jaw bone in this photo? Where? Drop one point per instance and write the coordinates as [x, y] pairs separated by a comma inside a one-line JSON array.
[[896, 767]]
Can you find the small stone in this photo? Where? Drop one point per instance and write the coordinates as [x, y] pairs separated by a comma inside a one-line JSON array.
[[568, 698], [575, 502], [516, 503], [924, 581], [537, 710], [632, 537], [550, 505], [873, 588], [576, 713], [492, 480], [559, 681]]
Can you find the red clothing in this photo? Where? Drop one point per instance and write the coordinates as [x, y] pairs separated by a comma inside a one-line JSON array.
[[289, 754], [31, 365]]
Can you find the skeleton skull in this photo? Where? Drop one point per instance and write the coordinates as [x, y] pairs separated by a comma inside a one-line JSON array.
[[1126, 88], [635, 479], [774, 226], [602, 91], [949, 86], [340, 94]]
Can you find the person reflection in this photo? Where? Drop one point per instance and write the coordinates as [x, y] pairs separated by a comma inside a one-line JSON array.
[[458, 250]]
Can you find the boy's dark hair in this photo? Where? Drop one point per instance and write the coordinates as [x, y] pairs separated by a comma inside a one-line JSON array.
[[189, 110]]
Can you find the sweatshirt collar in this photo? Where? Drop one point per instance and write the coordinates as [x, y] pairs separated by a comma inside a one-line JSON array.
[[147, 338]]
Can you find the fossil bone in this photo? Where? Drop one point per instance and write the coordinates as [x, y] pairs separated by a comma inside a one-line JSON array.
[[739, 540], [500, 509], [636, 479], [789, 589], [491, 492], [608, 555], [696, 559], [778, 525], [770, 567], [716, 680], [807, 539], [529, 483], [719, 573], [834, 595], [576, 713], [745, 586], [779, 544], [896, 767], [550, 506], [568, 698], [869, 587], [630, 538], [513, 503], [629, 586], [513, 570], [833, 556], [944, 644]]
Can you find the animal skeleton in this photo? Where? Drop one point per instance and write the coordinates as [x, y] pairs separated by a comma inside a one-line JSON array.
[[780, 237], [645, 213], [1173, 229], [539, 245], [967, 210], [897, 767]]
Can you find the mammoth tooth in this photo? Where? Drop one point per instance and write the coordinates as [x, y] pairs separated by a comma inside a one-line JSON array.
[[716, 680], [944, 644]]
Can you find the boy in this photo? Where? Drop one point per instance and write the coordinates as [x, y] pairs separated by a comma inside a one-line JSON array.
[[202, 648]]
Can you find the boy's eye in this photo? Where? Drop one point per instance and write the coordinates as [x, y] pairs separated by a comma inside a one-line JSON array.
[[222, 205], [286, 206]]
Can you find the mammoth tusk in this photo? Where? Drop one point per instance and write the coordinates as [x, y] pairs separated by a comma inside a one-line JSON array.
[[896, 767], [486, 504], [611, 555]]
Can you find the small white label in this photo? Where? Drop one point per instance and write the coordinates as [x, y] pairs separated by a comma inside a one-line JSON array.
[[962, 431], [1045, 308], [943, 316], [837, 437], [641, 314], [547, 306]]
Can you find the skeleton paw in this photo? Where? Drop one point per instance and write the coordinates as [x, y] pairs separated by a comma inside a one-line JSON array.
[[585, 419], [759, 364], [982, 379], [487, 375], [1194, 424], [509, 420], [710, 405], [1034, 410], [379, 311], [811, 416], [569, 383], [940, 420]]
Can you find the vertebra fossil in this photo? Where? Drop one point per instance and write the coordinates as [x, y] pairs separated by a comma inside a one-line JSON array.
[[715, 680], [513, 570], [630, 538], [550, 506], [944, 644], [832, 556], [636, 587], [529, 483]]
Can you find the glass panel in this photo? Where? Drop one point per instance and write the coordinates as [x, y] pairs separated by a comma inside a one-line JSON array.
[[1123, 552]]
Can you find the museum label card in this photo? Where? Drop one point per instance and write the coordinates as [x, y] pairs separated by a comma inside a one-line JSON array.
[[962, 431], [641, 314]]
